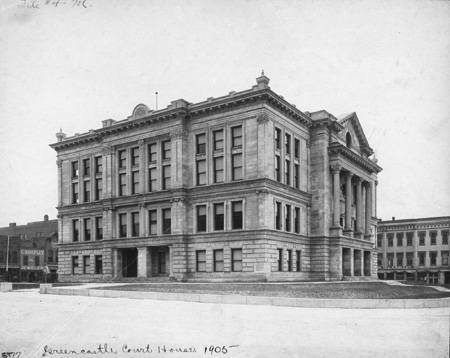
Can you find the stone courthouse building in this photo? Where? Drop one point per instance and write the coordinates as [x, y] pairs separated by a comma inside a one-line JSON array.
[[240, 187]]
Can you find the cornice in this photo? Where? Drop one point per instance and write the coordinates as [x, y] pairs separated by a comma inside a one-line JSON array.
[[336, 148]]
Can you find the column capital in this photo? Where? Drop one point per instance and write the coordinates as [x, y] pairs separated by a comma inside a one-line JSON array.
[[59, 163], [336, 168], [140, 142], [263, 118], [178, 133], [107, 149], [357, 179]]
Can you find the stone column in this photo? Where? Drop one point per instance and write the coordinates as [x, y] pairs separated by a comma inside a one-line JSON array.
[[142, 261], [117, 263], [170, 260], [348, 202], [352, 262], [336, 197], [358, 206], [368, 207]]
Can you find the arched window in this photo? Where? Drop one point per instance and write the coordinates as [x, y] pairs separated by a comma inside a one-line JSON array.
[[348, 139]]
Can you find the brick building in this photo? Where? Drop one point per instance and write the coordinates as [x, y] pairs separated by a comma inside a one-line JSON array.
[[414, 249], [29, 250], [240, 187]]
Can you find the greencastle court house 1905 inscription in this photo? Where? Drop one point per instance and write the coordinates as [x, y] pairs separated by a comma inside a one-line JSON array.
[[240, 187]]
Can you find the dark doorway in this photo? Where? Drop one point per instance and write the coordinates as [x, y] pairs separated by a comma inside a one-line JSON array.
[[129, 262], [447, 278], [160, 260]]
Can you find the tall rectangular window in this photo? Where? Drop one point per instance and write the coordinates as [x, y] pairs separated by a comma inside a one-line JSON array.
[[218, 139], [236, 260], [421, 238], [166, 177], [152, 153], [287, 172], [379, 240], [399, 239], [236, 163], [135, 156], [444, 234], [277, 168], [75, 230], [400, 259], [87, 229], [75, 169], [25, 260], [122, 184], [287, 142], [280, 259], [86, 264], [433, 256], [298, 262], [444, 258], [135, 224], [98, 188], [201, 172], [152, 178], [218, 260], [98, 264], [390, 260], [277, 138], [153, 222], [218, 169], [74, 193], [296, 148], [165, 150], [99, 228], [201, 218], [278, 215], [236, 137], [87, 191], [409, 258], [390, 238], [297, 220], [123, 225], [86, 167], [409, 238], [433, 235], [122, 157], [135, 182], [200, 143], [98, 165], [74, 264], [200, 260], [421, 255], [236, 215], [289, 260], [287, 217], [219, 216], [296, 176], [166, 216]]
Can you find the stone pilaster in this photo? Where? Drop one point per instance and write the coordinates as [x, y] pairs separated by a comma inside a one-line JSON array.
[[352, 262], [358, 207], [107, 176], [348, 202], [178, 137], [142, 171], [266, 150], [368, 188], [142, 261], [178, 211], [335, 169]]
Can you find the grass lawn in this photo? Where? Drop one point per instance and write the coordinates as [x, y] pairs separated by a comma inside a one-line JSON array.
[[365, 290]]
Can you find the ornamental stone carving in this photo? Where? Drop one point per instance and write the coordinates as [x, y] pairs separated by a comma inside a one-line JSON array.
[[263, 118], [178, 133]]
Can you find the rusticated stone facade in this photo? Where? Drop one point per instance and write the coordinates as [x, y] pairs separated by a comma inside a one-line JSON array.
[[240, 187]]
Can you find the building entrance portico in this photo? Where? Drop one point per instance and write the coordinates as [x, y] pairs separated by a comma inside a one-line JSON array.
[[154, 261]]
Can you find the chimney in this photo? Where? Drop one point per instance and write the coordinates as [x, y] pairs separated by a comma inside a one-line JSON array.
[[107, 122], [60, 135], [45, 217], [262, 81], [393, 218]]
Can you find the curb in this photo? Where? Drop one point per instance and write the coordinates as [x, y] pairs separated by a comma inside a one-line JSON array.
[[257, 300]]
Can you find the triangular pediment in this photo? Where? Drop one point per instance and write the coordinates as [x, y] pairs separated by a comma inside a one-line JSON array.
[[353, 127]]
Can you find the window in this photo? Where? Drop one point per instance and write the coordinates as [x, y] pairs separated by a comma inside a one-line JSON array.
[[277, 138], [87, 229], [409, 238], [86, 264], [152, 154], [98, 165], [390, 240], [444, 234], [298, 262], [297, 220], [289, 260], [122, 159], [98, 189], [297, 148], [278, 215], [421, 238], [200, 260], [152, 179], [37, 261], [218, 169], [135, 182], [166, 217], [166, 177], [421, 256], [219, 216], [74, 264], [236, 215], [135, 156], [87, 191], [201, 218], [277, 168], [200, 140], [98, 264], [287, 142], [25, 260], [433, 235], [74, 170], [400, 259], [348, 140], [123, 225], [86, 167], [287, 172], [236, 163], [75, 230], [433, 256], [201, 172], [296, 176], [236, 137], [74, 193], [379, 240], [218, 139], [399, 239], [135, 224], [280, 259], [444, 258], [99, 228], [390, 260], [236, 260], [218, 260], [380, 259], [409, 259], [165, 150], [122, 184], [15, 257], [287, 217], [153, 222]]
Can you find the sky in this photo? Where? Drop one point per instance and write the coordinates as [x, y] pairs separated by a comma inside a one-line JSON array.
[[71, 64]]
